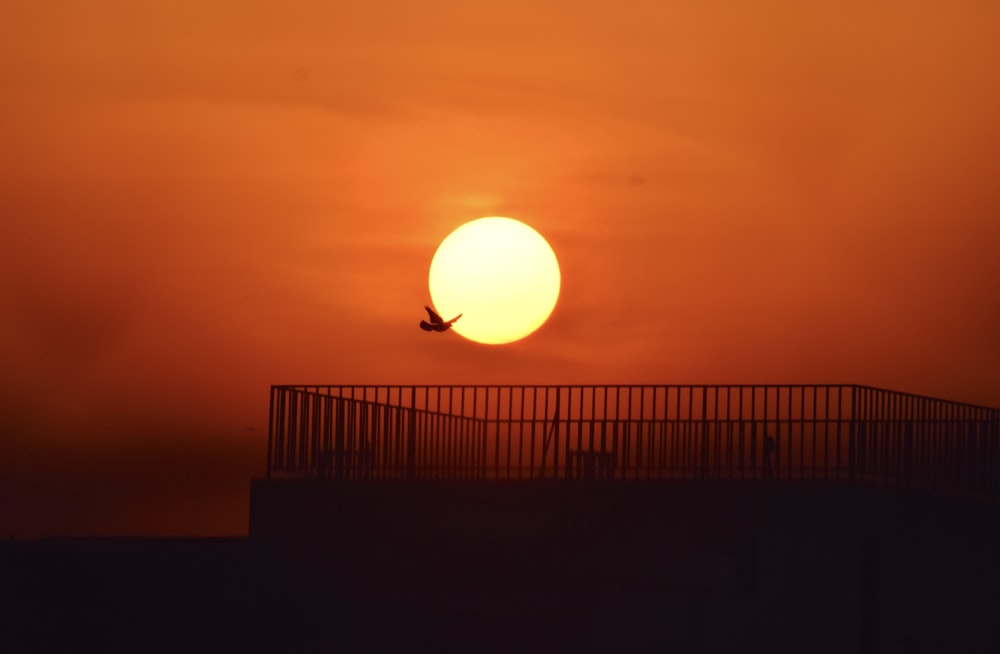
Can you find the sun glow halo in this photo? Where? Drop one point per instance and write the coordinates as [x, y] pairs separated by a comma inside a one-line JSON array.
[[500, 274]]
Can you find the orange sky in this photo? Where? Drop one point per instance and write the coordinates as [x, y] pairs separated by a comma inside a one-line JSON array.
[[197, 202]]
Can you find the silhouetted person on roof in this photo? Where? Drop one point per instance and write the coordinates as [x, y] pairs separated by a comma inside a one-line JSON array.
[[436, 324], [770, 447]]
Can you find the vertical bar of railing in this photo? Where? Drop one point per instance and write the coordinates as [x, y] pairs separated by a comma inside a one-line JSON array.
[[948, 442], [741, 433], [603, 447], [912, 412], [475, 457], [954, 445], [381, 461], [962, 478], [868, 437], [573, 427], [981, 456], [883, 419], [651, 430], [479, 435], [351, 434], [640, 427], [753, 430], [994, 444], [463, 434], [894, 425], [802, 430], [671, 430], [906, 439], [783, 432], [866, 433], [534, 416], [292, 435], [814, 432], [941, 432], [852, 435], [431, 453], [814, 468], [894, 438], [894, 429], [792, 471], [920, 421], [923, 437], [971, 452], [556, 429], [292, 429], [314, 433], [549, 432], [685, 425], [729, 431], [983, 453], [327, 439], [938, 426], [688, 444], [873, 438], [411, 436], [873, 433], [478, 458], [716, 437], [519, 466], [338, 444], [496, 430], [661, 413], [965, 472], [935, 426], [764, 432], [839, 433], [826, 432], [400, 423], [628, 463], [281, 445], [270, 429], [955, 474], [302, 462], [703, 437], [446, 427]]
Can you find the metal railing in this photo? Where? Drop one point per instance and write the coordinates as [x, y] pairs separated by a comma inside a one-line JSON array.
[[731, 432]]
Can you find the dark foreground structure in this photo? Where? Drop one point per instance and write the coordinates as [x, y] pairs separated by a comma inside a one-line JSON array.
[[545, 518], [668, 518]]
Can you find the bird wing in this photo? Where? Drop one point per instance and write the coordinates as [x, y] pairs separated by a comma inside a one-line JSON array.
[[436, 319], [454, 319]]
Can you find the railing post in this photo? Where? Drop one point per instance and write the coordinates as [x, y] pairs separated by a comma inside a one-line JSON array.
[[270, 430], [411, 444], [338, 447], [852, 450]]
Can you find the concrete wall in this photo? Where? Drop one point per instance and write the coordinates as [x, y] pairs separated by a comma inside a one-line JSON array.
[[700, 567]]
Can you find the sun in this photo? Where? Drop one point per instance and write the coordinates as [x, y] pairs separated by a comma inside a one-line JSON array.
[[500, 274]]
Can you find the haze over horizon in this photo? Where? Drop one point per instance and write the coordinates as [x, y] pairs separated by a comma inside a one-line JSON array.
[[197, 202]]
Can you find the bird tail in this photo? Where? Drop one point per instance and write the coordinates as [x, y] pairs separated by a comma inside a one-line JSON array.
[[426, 326]]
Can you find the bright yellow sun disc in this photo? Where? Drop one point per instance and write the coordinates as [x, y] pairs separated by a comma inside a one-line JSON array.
[[500, 274]]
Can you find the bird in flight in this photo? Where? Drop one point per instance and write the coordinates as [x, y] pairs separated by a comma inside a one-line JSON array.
[[436, 324]]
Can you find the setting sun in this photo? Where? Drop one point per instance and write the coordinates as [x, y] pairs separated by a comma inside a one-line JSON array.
[[500, 274]]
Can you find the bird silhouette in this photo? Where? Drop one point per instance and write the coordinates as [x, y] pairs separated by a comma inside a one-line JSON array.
[[436, 324]]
